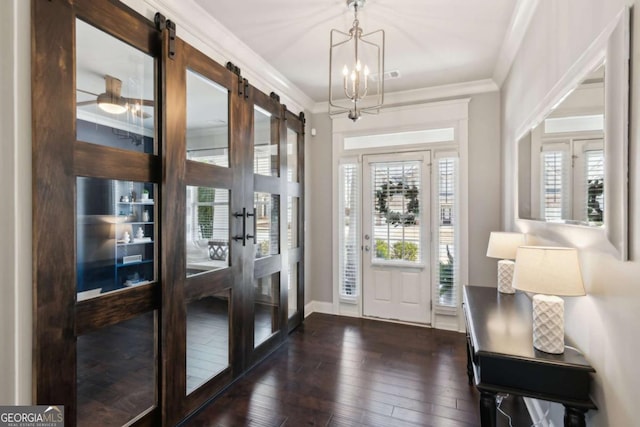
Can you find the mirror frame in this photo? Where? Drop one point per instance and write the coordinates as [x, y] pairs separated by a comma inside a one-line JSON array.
[[612, 46]]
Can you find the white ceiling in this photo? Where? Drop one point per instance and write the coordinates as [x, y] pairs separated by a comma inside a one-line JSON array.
[[430, 42]]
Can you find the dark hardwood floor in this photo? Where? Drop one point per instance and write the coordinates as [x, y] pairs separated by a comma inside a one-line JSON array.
[[337, 371]]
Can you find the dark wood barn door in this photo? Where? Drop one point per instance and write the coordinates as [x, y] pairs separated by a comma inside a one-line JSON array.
[[168, 215]]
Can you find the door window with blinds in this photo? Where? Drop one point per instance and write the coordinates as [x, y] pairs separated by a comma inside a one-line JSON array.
[[396, 212], [447, 253], [572, 180]]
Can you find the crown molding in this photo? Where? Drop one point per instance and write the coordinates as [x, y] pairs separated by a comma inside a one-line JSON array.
[[520, 20], [416, 96], [198, 28]]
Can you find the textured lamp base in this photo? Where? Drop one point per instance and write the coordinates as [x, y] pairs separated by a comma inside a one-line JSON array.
[[505, 276], [548, 324]]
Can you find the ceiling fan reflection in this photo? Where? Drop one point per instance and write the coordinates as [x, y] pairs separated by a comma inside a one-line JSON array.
[[111, 100]]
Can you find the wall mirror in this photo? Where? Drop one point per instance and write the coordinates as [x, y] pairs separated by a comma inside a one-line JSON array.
[[572, 155], [561, 160]]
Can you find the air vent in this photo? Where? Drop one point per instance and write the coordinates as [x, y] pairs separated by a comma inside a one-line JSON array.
[[387, 75]]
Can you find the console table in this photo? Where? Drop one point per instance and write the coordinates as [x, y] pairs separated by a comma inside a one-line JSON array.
[[501, 357]]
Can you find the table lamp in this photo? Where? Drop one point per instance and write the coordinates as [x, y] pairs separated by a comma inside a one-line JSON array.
[[547, 272], [503, 245]]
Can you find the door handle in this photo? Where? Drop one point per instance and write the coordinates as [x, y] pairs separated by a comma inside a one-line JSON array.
[[243, 237], [366, 248], [250, 236]]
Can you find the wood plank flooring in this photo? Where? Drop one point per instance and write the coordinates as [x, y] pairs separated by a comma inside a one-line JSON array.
[[337, 371]]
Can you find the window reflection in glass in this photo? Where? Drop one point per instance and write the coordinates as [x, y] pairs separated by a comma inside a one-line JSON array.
[[292, 222], [207, 121], [265, 156], [116, 372], [207, 229], [207, 339], [267, 224], [115, 94], [292, 156], [115, 235], [293, 290]]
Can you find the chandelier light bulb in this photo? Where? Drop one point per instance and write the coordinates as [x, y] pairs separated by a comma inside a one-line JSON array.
[[345, 71], [358, 66]]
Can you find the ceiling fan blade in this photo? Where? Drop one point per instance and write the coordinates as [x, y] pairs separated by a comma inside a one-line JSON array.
[[83, 103], [87, 92], [142, 114]]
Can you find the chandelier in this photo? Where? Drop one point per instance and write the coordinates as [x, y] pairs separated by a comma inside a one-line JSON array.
[[356, 84]]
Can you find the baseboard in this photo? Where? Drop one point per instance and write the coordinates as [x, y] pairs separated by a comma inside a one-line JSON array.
[[539, 416], [318, 307]]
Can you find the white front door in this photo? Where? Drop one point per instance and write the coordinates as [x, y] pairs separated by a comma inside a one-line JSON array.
[[396, 235]]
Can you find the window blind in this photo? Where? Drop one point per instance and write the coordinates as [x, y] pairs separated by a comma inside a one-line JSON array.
[[556, 172], [594, 185], [349, 230], [447, 231]]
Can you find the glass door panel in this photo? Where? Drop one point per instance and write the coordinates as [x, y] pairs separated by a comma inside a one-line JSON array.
[[292, 299], [265, 143], [207, 121], [115, 97], [292, 156], [115, 235], [292, 222], [207, 229], [207, 339], [267, 223], [116, 372], [266, 293]]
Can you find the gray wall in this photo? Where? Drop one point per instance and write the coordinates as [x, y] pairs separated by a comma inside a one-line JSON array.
[[319, 193], [484, 195], [484, 185], [605, 323]]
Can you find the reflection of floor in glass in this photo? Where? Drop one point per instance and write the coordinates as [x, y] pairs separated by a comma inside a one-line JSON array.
[[115, 373], [207, 340], [263, 325]]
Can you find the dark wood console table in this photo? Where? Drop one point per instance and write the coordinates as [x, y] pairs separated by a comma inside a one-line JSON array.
[[502, 359]]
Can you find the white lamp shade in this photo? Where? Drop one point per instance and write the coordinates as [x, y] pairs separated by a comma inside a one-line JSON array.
[[503, 245], [548, 271]]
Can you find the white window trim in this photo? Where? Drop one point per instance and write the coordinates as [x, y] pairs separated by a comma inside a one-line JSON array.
[[435, 115]]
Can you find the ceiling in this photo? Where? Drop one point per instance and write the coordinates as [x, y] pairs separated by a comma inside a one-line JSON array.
[[430, 42]]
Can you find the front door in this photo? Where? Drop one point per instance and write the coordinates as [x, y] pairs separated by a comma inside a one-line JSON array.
[[396, 255]]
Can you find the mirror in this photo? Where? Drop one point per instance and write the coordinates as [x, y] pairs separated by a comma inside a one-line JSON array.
[[572, 156], [561, 160]]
